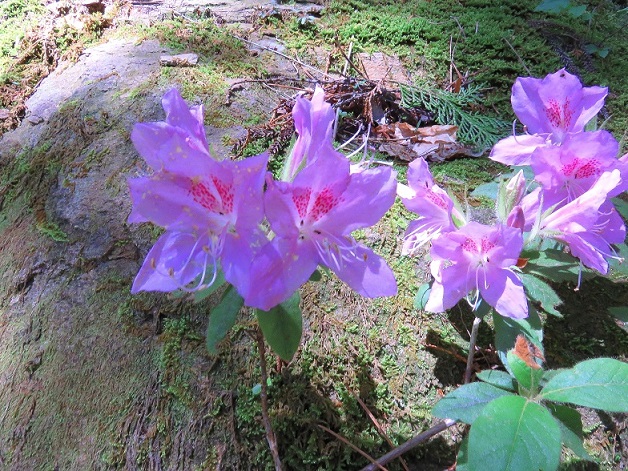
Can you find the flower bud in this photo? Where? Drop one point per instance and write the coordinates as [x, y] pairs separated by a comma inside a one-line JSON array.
[[509, 195]]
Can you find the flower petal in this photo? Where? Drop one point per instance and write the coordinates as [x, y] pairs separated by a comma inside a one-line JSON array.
[[451, 284], [502, 289], [174, 261], [165, 200], [368, 196], [517, 150], [278, 270], [364, 271]]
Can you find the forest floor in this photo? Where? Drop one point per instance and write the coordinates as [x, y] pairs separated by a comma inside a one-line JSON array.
[[92, 377]]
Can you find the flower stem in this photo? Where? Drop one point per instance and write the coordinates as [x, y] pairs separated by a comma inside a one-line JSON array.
[[472, 340], [270, 434]]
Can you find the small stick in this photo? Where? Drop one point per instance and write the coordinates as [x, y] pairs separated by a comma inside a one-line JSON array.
[[380, 430], [285, 56], [413, 442], [472, 340], [375, 464], [518, 56], [270, 434]]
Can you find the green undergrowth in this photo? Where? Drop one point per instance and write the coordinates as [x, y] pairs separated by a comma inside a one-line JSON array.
[[490, 43]]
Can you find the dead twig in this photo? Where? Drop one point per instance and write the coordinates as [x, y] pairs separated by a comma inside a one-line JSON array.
[[380, 430], [518, 56], [270, 434], [375, 464], [410, 444]]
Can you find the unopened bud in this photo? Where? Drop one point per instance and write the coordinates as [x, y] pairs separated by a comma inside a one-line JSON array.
[[509, 195]]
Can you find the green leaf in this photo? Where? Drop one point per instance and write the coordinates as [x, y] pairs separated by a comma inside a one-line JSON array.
[[204, 293], [316, 276], [488, 190], [601, 383], [422, 295], [499, 379], [553, 6], [553, 264], [570, 425], [527, 377], [514, 434], [621, 206], [577, 10], [222, 318], [619, 312], [507, 329], [539, 291], [620, 267], [466, 402], [462, 460], [282, 327]]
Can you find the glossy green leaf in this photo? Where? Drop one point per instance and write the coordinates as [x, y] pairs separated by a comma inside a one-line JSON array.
[[507, 329], [570, 425], [282, 327], [462, 460], [514, 434], [542, 293], [620, 267], [528, 378], [204, 293], [422, 295], [222, 318], [601, 383], [619, 312], [316, 276], [466, 402], [553, 6], [553, 264], [499, 379], [621, 206]]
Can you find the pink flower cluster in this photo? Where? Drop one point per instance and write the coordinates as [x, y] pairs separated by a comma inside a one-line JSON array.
[[576, 173], [217, 213]]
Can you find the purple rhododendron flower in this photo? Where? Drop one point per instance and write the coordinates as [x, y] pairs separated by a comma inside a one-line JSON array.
[[557, 104], [550, 108], [435, 208], [313, 121], [569, 170], [583, 224], [312, 219], [210, 210], [478, 257]]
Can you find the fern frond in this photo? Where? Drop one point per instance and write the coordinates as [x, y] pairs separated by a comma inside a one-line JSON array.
[[479, 130]]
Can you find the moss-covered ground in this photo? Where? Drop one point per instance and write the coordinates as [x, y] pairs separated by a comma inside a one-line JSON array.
[[125, 381]]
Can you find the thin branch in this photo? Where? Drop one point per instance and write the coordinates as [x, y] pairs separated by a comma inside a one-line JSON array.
[[518, 56], [270, 434], [375, 464], [413, 442], [380, 430], [285, 56], [472, 340]]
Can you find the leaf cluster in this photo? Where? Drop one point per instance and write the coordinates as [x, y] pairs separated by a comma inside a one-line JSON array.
[[519, 420]]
